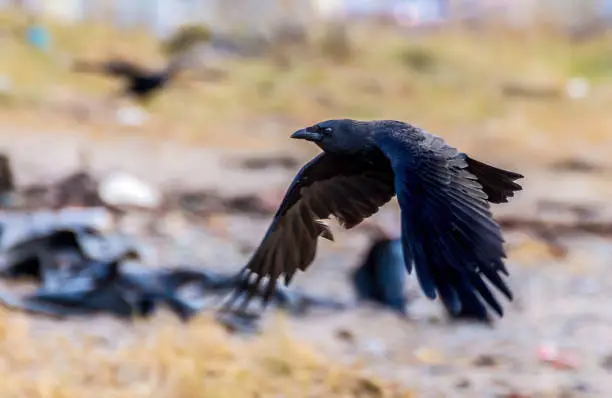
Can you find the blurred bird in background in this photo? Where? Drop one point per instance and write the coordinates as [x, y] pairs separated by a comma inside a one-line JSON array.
[[140, 83]]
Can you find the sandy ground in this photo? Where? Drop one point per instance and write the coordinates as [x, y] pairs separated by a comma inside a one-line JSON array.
[[559, 302]]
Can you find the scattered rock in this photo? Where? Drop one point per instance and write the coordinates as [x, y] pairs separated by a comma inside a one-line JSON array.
[[376, 348], [485, 361], [78, 189], [576, 165], [206, 202], [606, 362], [429, 356], [345, 335], [440, 369], [513, 395], [580, 387], [198, 202], [463, 383], [247, 204], [6, 85], [579, 211], [550, 354], [35, 196], [368, 388], [122, 189], [281, 161], [131, 116], [577, 88], [530, 90]]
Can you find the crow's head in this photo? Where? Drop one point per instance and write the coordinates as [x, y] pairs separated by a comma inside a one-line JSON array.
[[341, 136]]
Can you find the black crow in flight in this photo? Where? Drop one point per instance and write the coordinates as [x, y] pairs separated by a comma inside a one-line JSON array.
[[448, 233]]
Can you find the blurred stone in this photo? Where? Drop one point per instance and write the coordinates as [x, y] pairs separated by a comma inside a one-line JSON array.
[[485, 360], [131, 116], [122, 189], [550, 353], [250, 204], [440, 369], [574, 164], [577, 88], [345, 335], [463, 383], [530, 90], [581, 387], [77, 189], [429, 356], [376, 348], [6, 84], [368, 388], [264, 162], [606, 362], [199, 202]]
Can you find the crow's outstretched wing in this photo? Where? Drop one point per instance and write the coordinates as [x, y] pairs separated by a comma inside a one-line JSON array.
[[349, 188], [448, 232]]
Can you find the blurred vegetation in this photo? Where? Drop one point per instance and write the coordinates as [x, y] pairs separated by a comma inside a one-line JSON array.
[[449, 81], [165, 358], [419, 59], [336, 43], [185, 38]]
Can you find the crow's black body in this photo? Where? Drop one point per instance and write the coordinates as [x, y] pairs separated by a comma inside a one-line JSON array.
[[140, 83], [448, 233]]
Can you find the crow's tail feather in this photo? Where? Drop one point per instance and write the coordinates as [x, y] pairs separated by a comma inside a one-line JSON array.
[[498, 184]]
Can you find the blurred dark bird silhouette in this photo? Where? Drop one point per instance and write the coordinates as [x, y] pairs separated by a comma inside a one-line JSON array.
[[381, 279], [73, 281], [93, 290], [106, 287], [448, 232], [38, 253], [140, 83]]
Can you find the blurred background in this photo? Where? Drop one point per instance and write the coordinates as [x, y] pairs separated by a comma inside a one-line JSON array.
[[167, 123]]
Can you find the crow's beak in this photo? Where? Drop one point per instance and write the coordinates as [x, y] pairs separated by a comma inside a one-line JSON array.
[[305, 134]]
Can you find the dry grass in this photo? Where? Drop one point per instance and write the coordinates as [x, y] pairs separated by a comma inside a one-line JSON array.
[[163, 358]]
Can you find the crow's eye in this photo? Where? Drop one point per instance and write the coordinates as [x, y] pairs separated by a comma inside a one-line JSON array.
[[324, 130]]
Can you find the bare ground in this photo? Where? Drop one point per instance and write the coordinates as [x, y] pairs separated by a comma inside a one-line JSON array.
[[558, 301]]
